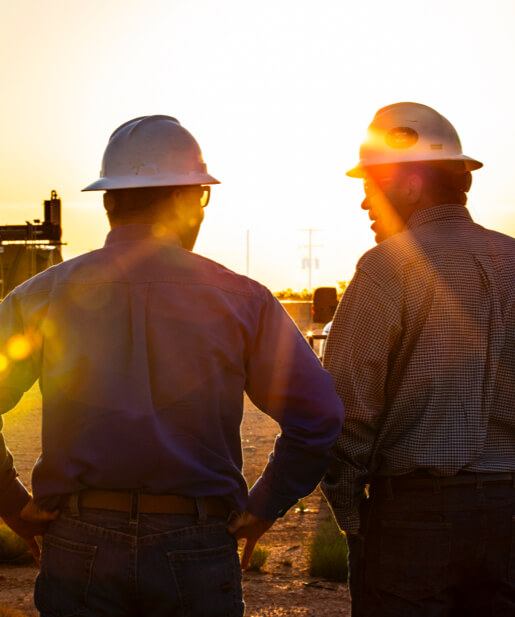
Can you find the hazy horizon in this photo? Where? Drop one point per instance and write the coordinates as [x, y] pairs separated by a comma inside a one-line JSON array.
[[279, 97]]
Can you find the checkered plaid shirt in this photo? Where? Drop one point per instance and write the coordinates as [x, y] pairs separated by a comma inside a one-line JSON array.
[[422, 353]]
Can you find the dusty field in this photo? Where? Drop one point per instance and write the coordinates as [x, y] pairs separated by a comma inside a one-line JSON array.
[[279, 591]]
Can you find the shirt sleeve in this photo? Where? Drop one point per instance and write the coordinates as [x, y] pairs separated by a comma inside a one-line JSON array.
[[286, 381], [17, 374], [365, 328]]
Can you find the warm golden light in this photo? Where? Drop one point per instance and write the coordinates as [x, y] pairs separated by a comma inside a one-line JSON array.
[[48, 329], [4, 362], [91, 298], [19, 347], [158, 230], [279, 147]]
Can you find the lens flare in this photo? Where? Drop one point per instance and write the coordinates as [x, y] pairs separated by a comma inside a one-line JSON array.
[[158, 230], [19, 347], [48, 328]]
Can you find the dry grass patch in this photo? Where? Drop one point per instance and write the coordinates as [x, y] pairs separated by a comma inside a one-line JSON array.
[[6, 611], [258, 558], [328, 552]]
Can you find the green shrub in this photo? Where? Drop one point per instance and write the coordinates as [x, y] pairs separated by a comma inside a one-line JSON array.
[[328, 552], [289, 294], [258, 557], [301, 507], [13, 550], [5, 611]]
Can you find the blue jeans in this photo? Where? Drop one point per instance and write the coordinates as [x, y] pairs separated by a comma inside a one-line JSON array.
[[446, 552], [101, 564]]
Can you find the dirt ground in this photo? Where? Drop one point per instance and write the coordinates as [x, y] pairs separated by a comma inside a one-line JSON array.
[[280, 590]]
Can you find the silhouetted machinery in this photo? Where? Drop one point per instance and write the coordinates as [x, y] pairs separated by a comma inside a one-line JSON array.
[[26, 250]]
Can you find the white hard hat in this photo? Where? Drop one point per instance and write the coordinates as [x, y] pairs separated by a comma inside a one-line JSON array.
[[151, 151], [407, 133]]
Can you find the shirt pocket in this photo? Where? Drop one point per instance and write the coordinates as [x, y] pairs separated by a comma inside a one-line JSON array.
[[414, 558]]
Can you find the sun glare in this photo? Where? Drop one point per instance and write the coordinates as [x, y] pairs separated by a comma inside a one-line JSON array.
[[279, 122], [19, 347]]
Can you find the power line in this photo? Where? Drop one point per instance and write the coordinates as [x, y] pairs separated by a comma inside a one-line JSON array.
[[310, 246], [248, 252]]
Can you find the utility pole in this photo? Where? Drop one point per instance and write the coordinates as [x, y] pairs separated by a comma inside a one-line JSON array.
[[248, 252], [310, 246]]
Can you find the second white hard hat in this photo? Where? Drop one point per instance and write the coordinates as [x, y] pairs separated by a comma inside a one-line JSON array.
[[411, 132], [151, 151]]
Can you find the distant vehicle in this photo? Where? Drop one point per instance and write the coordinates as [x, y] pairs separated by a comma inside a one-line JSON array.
[[312, 337], [325, 301], [323, 306]]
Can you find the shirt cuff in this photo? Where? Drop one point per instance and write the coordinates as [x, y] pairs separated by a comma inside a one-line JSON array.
[[347, 518], [266, 504], [13, 498]]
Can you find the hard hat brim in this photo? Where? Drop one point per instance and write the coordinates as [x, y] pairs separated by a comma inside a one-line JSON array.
[[165, 179], [467, 164]]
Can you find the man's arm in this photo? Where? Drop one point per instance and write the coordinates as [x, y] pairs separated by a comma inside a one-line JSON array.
[[286, 381], [13, 495], [365, 329], [17, 509], [18, 348], [30, 523], [251, 528], [16, 376]]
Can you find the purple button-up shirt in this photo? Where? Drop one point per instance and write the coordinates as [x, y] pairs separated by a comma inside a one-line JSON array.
[[144, 351]]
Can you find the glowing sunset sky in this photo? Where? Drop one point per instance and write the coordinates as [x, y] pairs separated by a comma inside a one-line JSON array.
[[278, 93]]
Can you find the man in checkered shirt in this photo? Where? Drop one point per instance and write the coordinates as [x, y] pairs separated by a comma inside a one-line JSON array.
[[422, 352]]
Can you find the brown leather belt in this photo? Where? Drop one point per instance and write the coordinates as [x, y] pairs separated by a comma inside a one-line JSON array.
[[145, 503], [420, 481]]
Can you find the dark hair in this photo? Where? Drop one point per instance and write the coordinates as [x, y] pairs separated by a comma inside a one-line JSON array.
[[446, 184], [139, 204]]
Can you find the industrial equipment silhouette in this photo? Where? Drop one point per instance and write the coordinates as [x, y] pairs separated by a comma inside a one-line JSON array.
[[26, 250]]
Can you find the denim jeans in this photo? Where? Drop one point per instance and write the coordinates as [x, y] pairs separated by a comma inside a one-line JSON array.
[[101, 564], [447, 552]]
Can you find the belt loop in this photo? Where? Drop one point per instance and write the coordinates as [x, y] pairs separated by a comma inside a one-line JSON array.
[[200, 503], [389, 490], [436, 485], [73, 504], [134, 507]]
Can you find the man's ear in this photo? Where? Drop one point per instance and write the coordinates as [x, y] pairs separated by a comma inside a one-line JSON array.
[[186, 212], [176, 206], [414, 187], [181, 203]]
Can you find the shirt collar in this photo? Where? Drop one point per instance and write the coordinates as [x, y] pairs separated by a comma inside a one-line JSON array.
[[447, 212], [139, 232]]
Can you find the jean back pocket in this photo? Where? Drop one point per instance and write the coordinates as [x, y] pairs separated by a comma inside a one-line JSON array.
[[65, 575], [414, 558]]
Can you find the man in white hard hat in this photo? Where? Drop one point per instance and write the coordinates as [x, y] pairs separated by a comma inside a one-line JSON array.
[[422, 352], [143, 351]]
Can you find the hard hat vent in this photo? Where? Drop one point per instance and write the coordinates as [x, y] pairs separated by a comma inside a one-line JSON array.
[[401, 137], [408, 133]]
